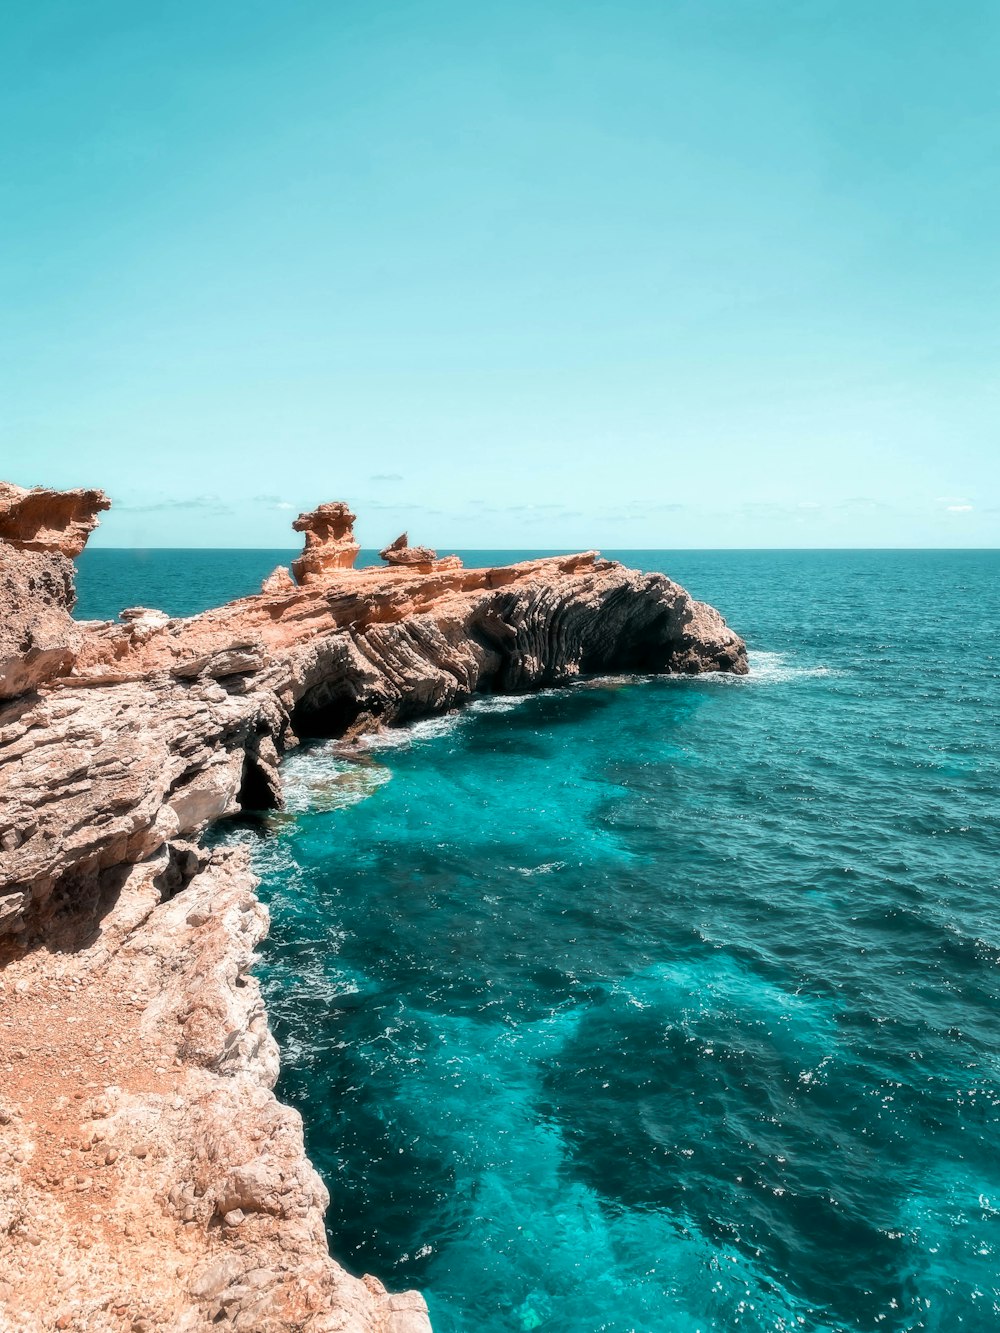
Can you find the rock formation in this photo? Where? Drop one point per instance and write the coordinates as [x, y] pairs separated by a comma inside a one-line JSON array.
[[420, 558], [45, 520], [148, 1177], [330, 543], [40, 532], [38, 639]]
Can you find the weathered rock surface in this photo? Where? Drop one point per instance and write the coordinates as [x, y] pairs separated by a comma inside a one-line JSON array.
[[152, 729], [41, 530], [149, 1179], [330, 544], [42, 519], [400, 552], [38, 638]]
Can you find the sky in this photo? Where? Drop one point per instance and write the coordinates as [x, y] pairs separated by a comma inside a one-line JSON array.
[[641, 273]]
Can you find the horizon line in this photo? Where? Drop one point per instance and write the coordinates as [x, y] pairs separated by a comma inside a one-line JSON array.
[[545, 550]]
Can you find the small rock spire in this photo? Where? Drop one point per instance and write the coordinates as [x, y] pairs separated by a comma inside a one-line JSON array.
[[330, 543]]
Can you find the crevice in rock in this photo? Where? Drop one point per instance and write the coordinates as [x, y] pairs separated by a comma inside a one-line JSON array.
[[322, 714]]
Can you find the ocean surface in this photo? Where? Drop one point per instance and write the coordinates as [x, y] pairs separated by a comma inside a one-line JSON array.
[[660, 1005]]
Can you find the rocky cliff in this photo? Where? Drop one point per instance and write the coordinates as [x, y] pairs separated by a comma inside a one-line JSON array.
[[148, 1177]]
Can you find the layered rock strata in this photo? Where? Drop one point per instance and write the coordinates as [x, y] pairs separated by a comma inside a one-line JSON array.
[[200, 1205], [41, 531], [42, 519], [329, 542]]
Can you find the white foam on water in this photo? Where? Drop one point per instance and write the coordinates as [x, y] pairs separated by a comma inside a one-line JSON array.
[[320, 778], [767, 668], [398, 738], [328, 769], [497, 703]]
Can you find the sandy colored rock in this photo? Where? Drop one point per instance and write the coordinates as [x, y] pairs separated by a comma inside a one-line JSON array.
[[279, 580], [422, 558], [148, 1176], [42, 519], [330, 544], [38, 638], [200, 1199]]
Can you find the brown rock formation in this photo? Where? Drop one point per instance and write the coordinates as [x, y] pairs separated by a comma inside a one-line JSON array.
[[45, 520], [38, 638], [41, 530], [107, 780], [279, 580], [149, 1179], [420, 558], [330, 544]]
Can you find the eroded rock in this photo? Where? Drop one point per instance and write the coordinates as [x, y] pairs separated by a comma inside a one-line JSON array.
[[180, 1190], [38, 638], [330, 544], [140, 735], [421, 558], [43, 519]]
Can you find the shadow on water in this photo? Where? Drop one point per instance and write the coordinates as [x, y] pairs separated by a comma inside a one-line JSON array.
[[709, 1120]]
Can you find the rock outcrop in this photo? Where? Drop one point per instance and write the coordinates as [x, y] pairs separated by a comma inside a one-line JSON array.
[[420, 558], [38, 638], [41, 530], [42, 519], [330, 544], [149, 1179], [109, 775]]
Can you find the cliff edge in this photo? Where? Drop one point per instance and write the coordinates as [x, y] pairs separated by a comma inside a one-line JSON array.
[[149, 1179]]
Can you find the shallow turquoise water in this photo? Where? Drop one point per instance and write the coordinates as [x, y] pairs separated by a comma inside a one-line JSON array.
[[667, 1005]]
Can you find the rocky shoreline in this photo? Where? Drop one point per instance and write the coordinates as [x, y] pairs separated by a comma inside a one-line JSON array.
[[149, 1179]]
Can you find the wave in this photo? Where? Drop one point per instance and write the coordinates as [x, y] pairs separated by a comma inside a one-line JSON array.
[[769, 668], [411, 733], [319, 778], [326, 766], [766, 668]]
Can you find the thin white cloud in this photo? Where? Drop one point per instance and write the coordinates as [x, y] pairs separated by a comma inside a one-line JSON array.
[[960, 509], [211, 502]]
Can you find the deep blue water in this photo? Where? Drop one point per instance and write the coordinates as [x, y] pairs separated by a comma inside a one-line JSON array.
[[669, 1005]]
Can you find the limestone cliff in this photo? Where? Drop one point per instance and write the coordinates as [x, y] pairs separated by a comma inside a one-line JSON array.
[[148, 1168], [40, 532], [46, 520]]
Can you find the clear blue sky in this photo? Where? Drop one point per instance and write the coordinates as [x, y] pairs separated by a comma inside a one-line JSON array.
[[664, 273]]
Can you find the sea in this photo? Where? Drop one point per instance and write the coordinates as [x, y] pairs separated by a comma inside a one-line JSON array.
[[658, 1005]]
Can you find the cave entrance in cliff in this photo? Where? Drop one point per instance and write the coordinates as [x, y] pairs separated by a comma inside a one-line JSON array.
[[319, 715]]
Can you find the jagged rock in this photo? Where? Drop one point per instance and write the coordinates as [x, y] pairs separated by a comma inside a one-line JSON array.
[[46, 520], [279, 580], [400, 552], [40, 531], [38, 639], [179, 1142], [143, 734], [330, 544]]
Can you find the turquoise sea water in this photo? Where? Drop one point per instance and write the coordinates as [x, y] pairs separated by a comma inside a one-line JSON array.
[[667, 1005]]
